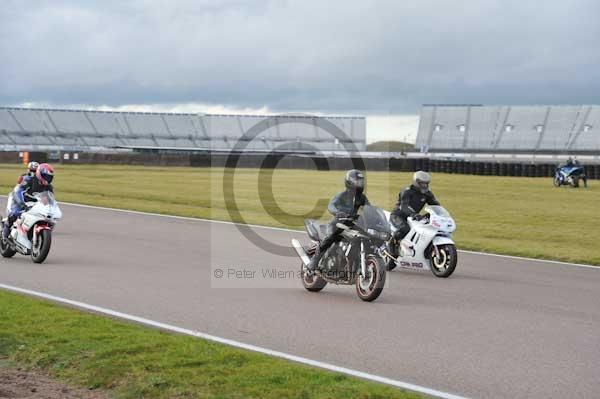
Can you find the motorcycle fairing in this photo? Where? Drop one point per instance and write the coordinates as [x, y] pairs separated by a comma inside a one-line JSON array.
[[316, 231]]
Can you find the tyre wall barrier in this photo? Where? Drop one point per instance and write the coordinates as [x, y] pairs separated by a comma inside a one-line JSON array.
[[291, 161]]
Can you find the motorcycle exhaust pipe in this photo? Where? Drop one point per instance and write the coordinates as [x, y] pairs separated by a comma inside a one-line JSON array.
[[300, 251]]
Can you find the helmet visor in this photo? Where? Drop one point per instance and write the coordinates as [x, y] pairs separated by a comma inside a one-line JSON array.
[[357, 181], [47, 177], [423, 185]]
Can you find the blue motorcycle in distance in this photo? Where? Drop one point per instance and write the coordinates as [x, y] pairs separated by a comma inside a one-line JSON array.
[[570, 175]]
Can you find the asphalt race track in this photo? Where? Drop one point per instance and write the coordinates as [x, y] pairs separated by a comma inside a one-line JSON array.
[[498, 328]]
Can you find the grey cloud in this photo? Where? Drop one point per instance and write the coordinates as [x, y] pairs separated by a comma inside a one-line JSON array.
[[370, 56]]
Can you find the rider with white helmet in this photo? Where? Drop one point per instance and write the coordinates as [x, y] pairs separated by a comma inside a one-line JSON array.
[[31, 169], [411, 201]]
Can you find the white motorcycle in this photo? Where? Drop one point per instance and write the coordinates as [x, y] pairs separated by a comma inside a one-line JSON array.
[[31, 234], [428, 245]]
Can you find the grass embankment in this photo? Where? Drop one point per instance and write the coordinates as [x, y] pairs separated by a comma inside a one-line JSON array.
[[390, 146], [507, 215], [131, 361]]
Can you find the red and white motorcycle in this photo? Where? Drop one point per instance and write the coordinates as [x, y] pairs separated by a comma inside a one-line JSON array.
[[428, 245], [31, 234]]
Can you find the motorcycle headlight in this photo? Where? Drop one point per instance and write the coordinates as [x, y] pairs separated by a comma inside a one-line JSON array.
[[382, 235]]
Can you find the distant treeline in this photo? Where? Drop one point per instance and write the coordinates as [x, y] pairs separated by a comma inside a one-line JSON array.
[[390, 146]]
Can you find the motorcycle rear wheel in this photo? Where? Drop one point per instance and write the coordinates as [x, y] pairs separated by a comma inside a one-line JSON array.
[[369, 287], [446, 264], [5, 250], [40, 251], [312, 283]]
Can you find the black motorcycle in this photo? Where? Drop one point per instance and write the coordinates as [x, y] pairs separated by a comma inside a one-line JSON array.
[[356, 258]]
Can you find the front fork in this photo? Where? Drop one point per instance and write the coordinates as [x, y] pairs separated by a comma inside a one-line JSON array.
[[36, 232], [363, 259], [436, 250]]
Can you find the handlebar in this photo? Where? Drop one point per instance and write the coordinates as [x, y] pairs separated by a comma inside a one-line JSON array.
[[422, 218]]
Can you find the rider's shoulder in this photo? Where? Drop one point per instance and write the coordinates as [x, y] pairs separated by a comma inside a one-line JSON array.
[[26, 179], [407, 190], [338, 195]]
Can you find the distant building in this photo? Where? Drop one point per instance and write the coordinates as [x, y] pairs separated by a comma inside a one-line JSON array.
[[75, 130], [515, 129]]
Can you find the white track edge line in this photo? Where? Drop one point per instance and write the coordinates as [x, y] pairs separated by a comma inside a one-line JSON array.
[[300, 231], [556, 262], [236, 344]]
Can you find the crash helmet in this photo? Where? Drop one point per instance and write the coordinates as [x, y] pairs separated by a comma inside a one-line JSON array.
[[45, 173], [421, 181], [355, 180], [32, 166]]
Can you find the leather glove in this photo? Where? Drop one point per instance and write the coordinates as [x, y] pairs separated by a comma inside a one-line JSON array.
[[418, 217], [342, 215]]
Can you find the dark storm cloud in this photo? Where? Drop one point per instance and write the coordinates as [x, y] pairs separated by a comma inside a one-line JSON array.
[[336, 56]]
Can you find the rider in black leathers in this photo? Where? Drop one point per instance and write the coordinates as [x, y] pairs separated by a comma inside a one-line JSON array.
[[411, 201], [344, 207]]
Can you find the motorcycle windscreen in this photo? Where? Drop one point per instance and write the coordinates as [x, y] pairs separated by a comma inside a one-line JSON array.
[[374, 218], [572, 170], [46, 205], [438, 210], [45, 198]]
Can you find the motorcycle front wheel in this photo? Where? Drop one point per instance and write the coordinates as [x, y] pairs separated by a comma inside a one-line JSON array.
[[391, 264], [556, 182], [369, 287], [39, 251], [312, 283], [444, 264]]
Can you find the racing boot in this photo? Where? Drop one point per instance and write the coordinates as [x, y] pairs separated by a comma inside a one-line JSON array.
[[7, 225], [314, 261]]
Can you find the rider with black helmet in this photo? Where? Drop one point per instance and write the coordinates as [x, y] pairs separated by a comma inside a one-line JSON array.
[[410, 202], [344, 207]]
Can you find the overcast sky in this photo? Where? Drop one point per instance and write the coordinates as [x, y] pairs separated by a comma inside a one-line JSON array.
[[381, 58]]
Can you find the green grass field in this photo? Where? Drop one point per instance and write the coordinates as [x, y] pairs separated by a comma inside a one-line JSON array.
[[506, 215], [131, 361]]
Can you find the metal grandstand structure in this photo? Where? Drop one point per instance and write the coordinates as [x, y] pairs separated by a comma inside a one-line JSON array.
[[509, 129], [34, 129]]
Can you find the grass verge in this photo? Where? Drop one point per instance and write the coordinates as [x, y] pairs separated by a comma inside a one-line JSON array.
[[131, 361], [506, 215]]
